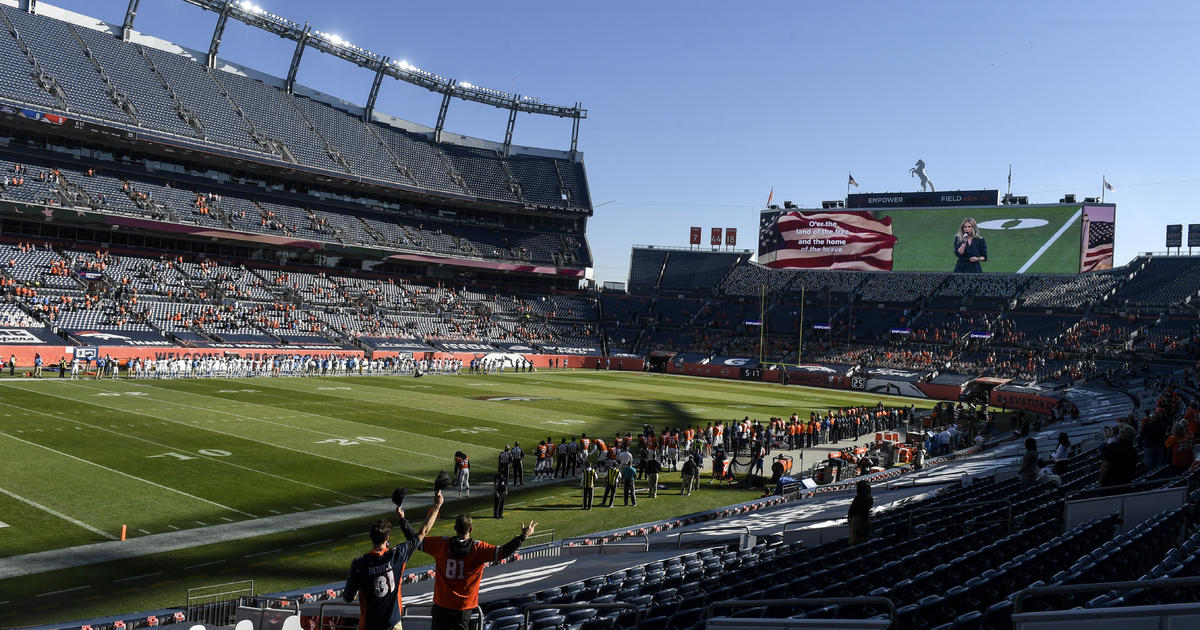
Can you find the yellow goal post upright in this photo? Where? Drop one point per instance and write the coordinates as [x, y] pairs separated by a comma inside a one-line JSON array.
[[762, 329]]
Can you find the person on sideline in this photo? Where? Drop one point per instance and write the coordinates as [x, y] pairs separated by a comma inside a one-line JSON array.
[[588, 484]]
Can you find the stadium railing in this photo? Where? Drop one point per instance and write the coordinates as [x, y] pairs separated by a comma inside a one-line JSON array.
[[216, 604], [744, 538], [834, 528]]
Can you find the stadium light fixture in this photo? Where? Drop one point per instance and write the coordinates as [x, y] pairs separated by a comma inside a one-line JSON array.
[[248, 12]]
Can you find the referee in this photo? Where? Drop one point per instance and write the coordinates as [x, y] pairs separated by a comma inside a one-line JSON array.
[[518, 470]]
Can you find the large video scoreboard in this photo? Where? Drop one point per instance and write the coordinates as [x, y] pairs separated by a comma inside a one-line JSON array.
[[915, 232]]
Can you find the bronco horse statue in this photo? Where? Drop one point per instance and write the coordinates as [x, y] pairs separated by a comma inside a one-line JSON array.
[[919, 171]]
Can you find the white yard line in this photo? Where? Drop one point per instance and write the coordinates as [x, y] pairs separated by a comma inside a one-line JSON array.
[[218, 460], [137, 577], [234, 435], [203, 564], [65, 590], [316, 416], [125, 474], [1045, 246], [261, 553], [73, 521]]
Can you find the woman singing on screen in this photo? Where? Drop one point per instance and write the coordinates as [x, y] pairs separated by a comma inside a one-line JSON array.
[[970, 248]]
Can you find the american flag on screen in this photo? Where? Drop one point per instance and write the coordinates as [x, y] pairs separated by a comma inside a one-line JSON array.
[[845, 239], [1099, 229]]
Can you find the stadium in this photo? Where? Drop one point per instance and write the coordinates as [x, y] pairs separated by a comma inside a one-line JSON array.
[[237, 313]]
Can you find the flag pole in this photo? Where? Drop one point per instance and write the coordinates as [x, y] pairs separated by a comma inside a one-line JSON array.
[[1101, 189], [800, 341], [762, 321], [848, 176]]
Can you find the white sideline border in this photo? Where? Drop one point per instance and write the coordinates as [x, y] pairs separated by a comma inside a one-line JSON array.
[[55, 513]]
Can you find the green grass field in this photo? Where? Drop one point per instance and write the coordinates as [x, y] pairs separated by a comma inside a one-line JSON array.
[[925, 238], [83, 458]]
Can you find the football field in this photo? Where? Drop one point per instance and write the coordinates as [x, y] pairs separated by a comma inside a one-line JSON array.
[[165, 458]]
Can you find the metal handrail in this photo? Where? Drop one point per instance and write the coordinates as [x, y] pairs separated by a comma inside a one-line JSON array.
[[727, 528], [538, 536], [263, 602], [1021, 595], [335, 602], [637, 613], [813, 601]]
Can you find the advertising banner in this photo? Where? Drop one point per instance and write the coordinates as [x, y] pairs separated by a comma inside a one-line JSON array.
[[706, 369], [694, 237], [522, 348], [100, 337], [813, 375], [893, 374], [464, 346], [579, 351], [923, 199], [397, 345], [733, 361], [28, 337], [1026, 398]]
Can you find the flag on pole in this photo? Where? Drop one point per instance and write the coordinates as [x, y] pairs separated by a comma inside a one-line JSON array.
[[1010, 175], [1107, 186], [770, 196], [852, 182]]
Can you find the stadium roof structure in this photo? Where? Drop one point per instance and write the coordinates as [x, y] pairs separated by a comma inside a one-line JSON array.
[[306, 36]]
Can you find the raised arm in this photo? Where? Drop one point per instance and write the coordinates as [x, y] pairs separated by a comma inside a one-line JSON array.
[[404, 526], [513, 545], [431, 516]]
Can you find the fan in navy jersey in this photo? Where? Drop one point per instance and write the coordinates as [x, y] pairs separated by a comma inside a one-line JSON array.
[[375, 576]]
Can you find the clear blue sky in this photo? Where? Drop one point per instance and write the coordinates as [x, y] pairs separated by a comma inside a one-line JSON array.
[[698, 109]]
